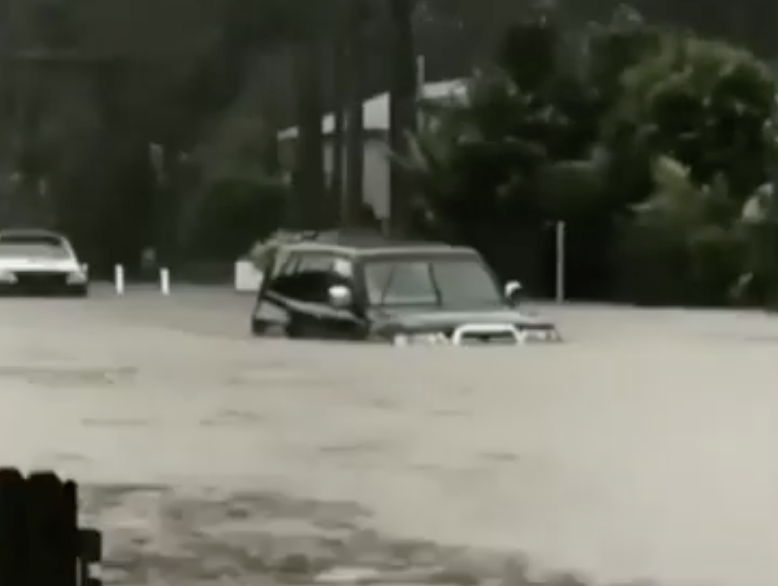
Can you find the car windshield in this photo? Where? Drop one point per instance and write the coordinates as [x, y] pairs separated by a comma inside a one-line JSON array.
[[447, 282], [43, 247]]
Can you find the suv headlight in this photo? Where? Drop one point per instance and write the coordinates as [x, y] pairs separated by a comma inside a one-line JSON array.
[[7, 277], [426, 339]]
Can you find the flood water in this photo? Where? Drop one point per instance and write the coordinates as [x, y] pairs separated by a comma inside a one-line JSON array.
[[643, 448]]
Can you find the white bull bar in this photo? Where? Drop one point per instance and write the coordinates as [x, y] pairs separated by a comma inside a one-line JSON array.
[[475, 329]]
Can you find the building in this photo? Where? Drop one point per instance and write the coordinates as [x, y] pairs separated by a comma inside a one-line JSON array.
[[376, 116]]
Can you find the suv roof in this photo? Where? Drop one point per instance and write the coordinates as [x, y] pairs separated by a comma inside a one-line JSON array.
[[365, 243]]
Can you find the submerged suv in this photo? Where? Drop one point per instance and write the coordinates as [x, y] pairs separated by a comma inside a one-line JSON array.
[[368, 288]]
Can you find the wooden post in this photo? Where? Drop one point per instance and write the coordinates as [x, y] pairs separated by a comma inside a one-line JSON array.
[[90, 553], [12, 523], [561, 261], [40, 541], [48, 536]]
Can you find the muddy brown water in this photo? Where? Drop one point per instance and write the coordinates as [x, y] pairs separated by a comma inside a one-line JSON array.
[[643, 448]]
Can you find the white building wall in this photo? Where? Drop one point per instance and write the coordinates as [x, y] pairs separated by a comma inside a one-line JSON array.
[[376, 121], [376, 178]]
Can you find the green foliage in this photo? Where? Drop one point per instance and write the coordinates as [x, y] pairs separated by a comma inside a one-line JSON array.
[[705, 103], [659, 132], [242, 196], [513, 147], [233, 215], [526, 140], [682, 246]]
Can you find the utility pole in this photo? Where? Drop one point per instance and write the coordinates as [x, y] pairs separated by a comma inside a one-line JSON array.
[[353, 194], [402, 111], [421, 80]]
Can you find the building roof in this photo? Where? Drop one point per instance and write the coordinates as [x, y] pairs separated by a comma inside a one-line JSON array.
[[376, 109]]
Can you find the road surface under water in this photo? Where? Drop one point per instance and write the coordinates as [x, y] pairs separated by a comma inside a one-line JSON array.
[[643, 448]]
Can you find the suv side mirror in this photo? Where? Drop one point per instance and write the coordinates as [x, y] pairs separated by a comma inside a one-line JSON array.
[[513, 292], [340, 296]]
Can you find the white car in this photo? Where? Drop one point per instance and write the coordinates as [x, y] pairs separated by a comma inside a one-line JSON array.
[[34, 262]]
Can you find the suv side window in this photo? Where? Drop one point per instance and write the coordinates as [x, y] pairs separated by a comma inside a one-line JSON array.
[[314, 262], [282, 264], [305, 276]]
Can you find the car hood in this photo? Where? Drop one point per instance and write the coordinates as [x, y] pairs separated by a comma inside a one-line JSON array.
[[27, 264], [443, 320]]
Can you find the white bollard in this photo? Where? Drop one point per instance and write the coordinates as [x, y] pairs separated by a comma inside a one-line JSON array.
[[118, 278], [164, 281]]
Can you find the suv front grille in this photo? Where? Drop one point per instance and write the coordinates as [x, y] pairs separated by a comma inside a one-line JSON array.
[[492, 338], [533, 334]]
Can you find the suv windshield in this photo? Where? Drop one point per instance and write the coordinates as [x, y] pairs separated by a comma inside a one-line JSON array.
[[446, 282]]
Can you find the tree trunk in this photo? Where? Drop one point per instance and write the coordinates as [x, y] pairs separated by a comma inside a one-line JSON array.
[[355, 140], [402, 111], [338, 145], [339, 67], [309, 168]]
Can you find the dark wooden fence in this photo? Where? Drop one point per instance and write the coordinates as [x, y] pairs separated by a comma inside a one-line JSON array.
[[41, 543]]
